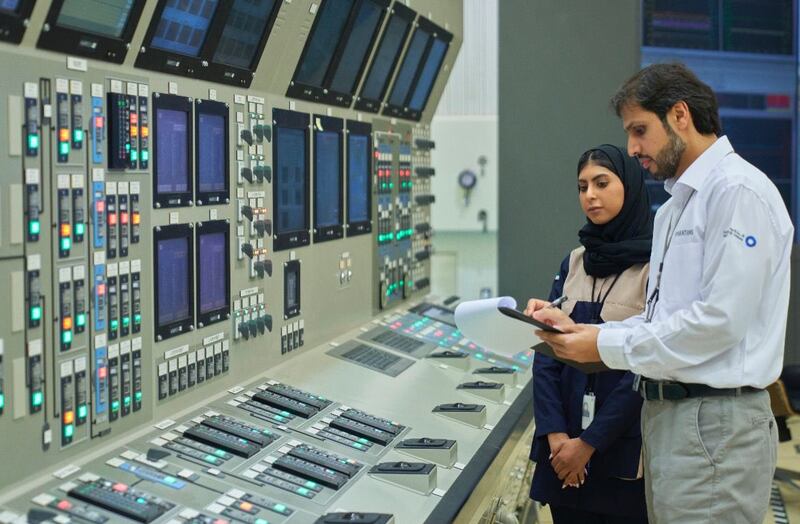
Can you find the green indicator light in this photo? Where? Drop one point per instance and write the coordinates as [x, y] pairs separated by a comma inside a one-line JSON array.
[[357, 445], [302, 491], [219, 453], [278, 418], [141, 500], [36, 313], [127, 147], [37, 398], [80, 319], [280, 508], [80, 227], [69, 430], [145, 155], [310, 485], [63, 148], [2, 401], [115, 405], [138, 396], [33, 141], [170, 480], [83, 411], [34, 227], [391, 185], [211, 459], [114, 324], [137, 318], [363, 441], [66, 337], [126, 321], [134, 155], [66, 243], [77, 135], [402, 283], [479, 355], [262, 521], [127, 401], [515, 368]]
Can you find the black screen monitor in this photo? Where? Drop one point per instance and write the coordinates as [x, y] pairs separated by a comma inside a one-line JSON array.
[[14, 15], [211, 152], [336, 51], [174, 304], [359, 169], [418, 71], [213, 272], [385, 60], [100, 29], [291, 288], [290, 187], [183, 26], [244, 35], [328, 178], [172, 154]]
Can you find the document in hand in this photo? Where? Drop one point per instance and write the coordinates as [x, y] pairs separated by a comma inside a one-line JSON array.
[[489, 324]]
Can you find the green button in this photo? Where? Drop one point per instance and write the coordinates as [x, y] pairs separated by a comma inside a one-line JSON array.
[[219, 453], [36, 312], [63, 148], [115, 405], [134, 155], [66, 337], [280, 508], [137, 318], [145, 155], [126, 321], [141, 500], [80, 228], [211, 459], [262, 521], [127, 401], [37, 398], [357, 445], [363, 441], [34, 227], [66, 243], [302, 491], [138, 396], [114, 324], [33, 141], [286, 414], [69, 430], [170, 480], [279, 418], [80, 319], [310, 485], [2, 401], [77, 135], [83, 411]]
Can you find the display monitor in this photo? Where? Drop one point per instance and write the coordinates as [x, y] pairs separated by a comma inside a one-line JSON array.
[[100, 29], [173, 267], [328, 178], [172, 134], [183, 26], [385, 60], [9, 6], [213, 272], [320, 45], [359, 168], [421, 92], [211, 152], [245, 33], [290, 153], [408, 67]]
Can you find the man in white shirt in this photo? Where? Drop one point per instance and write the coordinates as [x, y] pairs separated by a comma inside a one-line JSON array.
[[712, 336]]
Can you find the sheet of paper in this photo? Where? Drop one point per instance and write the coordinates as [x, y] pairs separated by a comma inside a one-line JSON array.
[[481, 322]]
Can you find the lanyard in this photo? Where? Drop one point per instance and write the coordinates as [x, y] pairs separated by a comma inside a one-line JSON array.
[[600, 298], [653, 300]]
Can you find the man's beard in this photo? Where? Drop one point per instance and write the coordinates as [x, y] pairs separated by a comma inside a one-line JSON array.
[[669, 157]]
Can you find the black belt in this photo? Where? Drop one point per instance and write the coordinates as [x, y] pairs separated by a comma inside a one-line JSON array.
[[661, 390]]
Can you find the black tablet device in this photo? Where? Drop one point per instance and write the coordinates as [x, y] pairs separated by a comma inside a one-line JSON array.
[[513, 313]]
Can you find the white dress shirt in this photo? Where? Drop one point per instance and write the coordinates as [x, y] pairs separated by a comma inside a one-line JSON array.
[[720, 319]]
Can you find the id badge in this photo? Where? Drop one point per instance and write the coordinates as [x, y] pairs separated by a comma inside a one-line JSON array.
[[587, 410]]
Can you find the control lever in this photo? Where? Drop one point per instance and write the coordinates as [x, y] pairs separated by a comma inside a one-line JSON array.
[[37, 516], [263, 266], [247, 211], [267, 322], [263, 173], [247, 136], [261, 325], [247, 249], [253, 326], [438, 450], [418, 476], [242, 327], [156, 455], [263, 226], [247, 174], [262, 132]]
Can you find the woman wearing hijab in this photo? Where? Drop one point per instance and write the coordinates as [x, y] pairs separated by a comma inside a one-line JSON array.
[[587, 444]]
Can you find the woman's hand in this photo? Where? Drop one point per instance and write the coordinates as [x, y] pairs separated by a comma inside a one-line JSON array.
[[569, 462], [534, 305], [553, 317]]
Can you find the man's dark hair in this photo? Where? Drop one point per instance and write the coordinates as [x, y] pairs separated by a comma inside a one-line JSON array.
[[658, 87]]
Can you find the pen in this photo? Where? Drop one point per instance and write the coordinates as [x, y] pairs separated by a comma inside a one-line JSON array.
[[557, 302]]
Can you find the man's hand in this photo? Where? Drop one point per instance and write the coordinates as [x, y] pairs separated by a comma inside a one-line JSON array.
[[577, 343], [537, 309], [569, 462], [534, 305]]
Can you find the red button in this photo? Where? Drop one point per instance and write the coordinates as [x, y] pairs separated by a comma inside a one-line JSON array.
[[101, 206], [98, 121], [102, 372], [122, 488], [64, 505]]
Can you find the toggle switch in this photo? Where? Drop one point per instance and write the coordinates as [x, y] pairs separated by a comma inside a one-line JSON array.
[[247, 174], [263, 173], [247, 136]]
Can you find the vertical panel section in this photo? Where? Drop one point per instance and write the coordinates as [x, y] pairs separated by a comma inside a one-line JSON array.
[[14, 125]]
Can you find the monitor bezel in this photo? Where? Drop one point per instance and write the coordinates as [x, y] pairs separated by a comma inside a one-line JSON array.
[[179, 327], [336, 231], [67, 40], [372, 105], [361, 129], [221, 314], [212, 107], [284, 118], [175, 103], [13, 25]]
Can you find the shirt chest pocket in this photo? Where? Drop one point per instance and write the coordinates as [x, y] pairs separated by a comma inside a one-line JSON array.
[[682, 275]]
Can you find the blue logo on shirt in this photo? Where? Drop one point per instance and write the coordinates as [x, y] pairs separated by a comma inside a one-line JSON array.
[[750, 241]]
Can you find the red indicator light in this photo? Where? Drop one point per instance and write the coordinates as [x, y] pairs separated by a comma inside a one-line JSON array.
[[123, 218], [69, 417], [66, 230], [101, 289], [100, 206], [63, 135], [112, 219], [101, 373]]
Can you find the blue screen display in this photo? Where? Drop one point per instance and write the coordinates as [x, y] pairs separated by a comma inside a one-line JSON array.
[[409, 68], [211, 256], [9, 5], [357, 178], [319, 52], [382, 63], [173, 280], [100, 17], [428, 75], [172, 149], [290, 165], [183, 26], [327, 179], [243, 31], [211, 160], [357, 47]]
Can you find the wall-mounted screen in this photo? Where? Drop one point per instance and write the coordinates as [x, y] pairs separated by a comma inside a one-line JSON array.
[[213, 272], [244, 34], [100, 29], [13, 19], [173, 267], [291, 288], [172, 134], [183, 26], [211, 152], [385, 60], [9, 6], [328, 178], [290, 187], [359, 168], [336, 50], [418, 71]]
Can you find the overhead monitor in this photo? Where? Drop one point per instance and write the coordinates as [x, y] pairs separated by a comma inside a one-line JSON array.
[[100, 29], [173, 279], [172, 154], [418, 70], [336, 51], [211, 153], [328, 178], [359, 169], [290, 186], [385, 59], [208, 39], [14, 16], [213, 272]]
